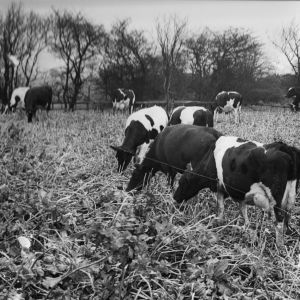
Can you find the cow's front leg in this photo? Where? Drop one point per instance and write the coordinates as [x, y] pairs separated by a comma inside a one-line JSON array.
[[243, 211], [220, 206]]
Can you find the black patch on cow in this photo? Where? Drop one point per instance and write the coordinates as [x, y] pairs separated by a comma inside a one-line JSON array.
[[244, 168], [240, 140], [18, 99], [150, 120], [233, 165], [161, 128], [152, 134]]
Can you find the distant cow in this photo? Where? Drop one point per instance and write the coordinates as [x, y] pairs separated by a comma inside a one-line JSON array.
[[249, 172], [40, 96], [123, 99], [141, 128], [18, 98], [228, 102], [176, 148], [193, 115], [295, 93]]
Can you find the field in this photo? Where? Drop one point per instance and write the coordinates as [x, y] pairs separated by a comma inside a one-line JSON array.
[[68, 231]]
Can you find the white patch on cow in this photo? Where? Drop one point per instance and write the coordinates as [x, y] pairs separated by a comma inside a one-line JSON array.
[[222, 144], [141, 152], [289, 197], [175, 109], [229, 105], [262, 196], [19, 92], [157, 113], [186, 116], [221, 93], [290, 89], [159, 117], [121, 92]]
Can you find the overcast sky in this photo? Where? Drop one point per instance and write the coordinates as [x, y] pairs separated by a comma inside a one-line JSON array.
[[263, 18]]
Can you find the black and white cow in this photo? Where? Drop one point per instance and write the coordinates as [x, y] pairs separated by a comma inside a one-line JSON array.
[[172, 151], [251, 173], [37, 97], [141, 128], [294, 92], [228, 102], [123, 99], [18, 98], [193, 115]]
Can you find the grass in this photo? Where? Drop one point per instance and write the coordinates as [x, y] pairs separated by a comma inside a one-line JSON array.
[[90, 240]]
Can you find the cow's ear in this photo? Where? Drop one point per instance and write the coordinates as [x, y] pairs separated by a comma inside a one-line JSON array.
[[116, 148]]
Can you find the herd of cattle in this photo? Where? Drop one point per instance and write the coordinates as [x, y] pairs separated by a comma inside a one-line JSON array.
[[30, 99], [251, 173]]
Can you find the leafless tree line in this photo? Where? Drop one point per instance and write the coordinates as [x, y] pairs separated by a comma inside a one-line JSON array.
[[175, 64]]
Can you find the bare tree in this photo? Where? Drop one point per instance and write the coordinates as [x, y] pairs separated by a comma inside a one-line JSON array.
[[129, 52], [34, 41], [170, 36], [236, 54], [13, 28], [200, 61], [289, 44], [74, 41], [22, 40]]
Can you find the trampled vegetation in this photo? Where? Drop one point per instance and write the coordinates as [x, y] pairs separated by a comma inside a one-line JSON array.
[[69, 232]]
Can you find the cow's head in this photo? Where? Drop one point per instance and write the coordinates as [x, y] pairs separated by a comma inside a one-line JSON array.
[[123, 156], [291, 93], [14, 102], [140, 176], [188, 187]]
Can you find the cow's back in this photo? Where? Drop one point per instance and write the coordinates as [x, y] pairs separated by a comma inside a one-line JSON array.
[[181, 144], [38, 96]]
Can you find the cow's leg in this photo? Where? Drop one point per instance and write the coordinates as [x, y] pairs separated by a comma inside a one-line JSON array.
[[216, 115], [236, 115], [220, 205], [290, 197], [29, 116], [243, 211]]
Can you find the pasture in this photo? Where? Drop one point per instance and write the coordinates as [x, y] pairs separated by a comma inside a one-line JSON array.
[[91, 240]]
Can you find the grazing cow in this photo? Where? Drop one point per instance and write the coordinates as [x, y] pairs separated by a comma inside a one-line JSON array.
[[123, 99], [228, 102], [251, 173], [18, 98], [172, 151], [141, 128], [193, 115], [294, 92], [40, 96]]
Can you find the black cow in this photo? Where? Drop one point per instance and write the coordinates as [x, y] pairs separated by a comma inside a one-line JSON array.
[[228, 102], [193, 115], [175, 148], [123, 99], [294, 92], [40, 96], [141, 128], [251, 173]]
